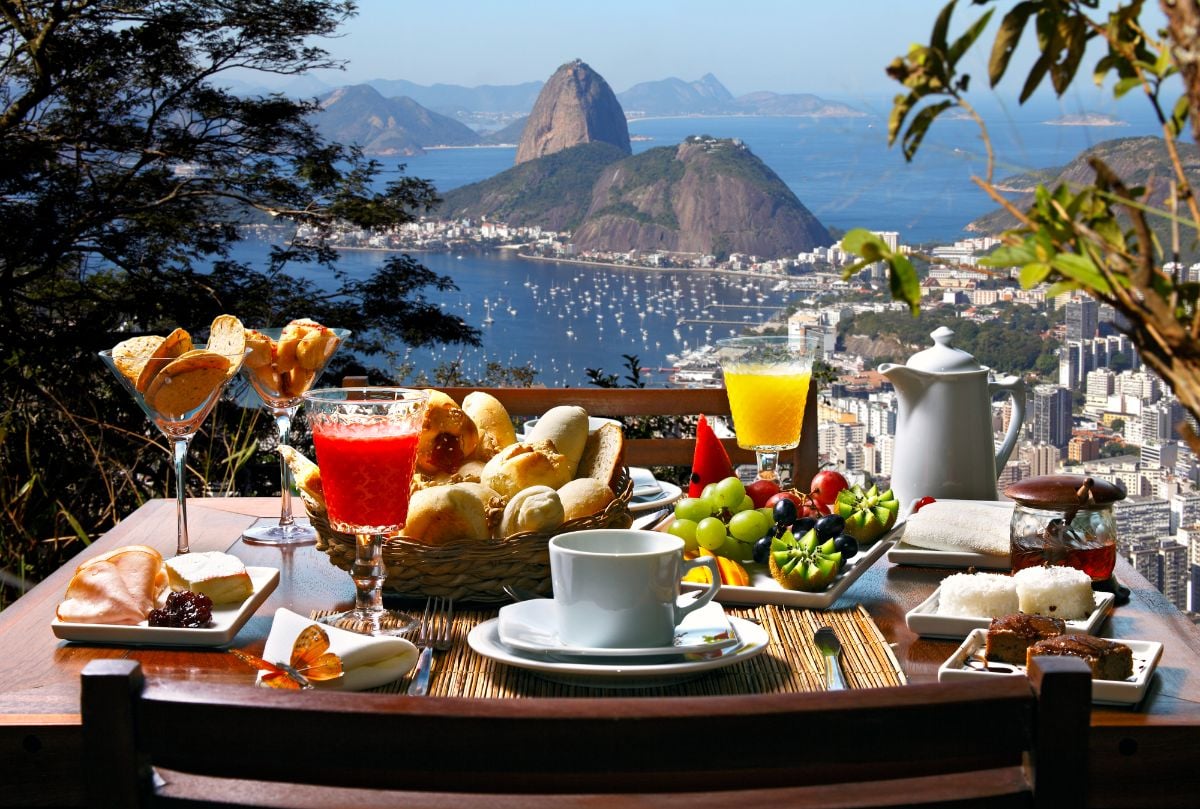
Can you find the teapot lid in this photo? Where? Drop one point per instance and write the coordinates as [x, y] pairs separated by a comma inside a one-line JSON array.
[[942, 357]]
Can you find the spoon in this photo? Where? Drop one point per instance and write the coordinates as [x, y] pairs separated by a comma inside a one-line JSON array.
[[831, 649]]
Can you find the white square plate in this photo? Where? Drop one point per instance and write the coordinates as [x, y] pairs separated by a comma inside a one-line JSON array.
[[765, 590], [904, 554], [1104, 692], [925, 620], [227, 620]]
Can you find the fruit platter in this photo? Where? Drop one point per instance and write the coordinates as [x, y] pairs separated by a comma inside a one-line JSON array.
[[773, 546]]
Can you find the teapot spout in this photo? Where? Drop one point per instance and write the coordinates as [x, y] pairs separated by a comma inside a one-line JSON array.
[[907, 381]]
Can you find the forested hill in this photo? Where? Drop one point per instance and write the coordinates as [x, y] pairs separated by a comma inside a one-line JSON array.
[[1138, 161], [1011, 345]]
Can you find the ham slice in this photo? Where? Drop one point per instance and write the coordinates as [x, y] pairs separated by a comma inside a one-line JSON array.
[[119, 587], [98, 595]]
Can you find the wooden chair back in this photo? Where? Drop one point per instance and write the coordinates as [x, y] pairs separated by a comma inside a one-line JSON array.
[[620, 402], [1004, 742]]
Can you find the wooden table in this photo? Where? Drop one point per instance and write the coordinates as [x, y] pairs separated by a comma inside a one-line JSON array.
[[1144, 756]]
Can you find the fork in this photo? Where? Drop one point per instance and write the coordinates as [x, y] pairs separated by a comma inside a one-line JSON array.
[[436, 623], [831, 650]]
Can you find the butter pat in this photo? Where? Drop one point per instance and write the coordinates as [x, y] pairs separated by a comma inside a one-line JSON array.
[[221, 577]]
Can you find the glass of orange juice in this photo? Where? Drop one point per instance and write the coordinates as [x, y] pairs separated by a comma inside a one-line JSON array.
[[366, 443], [767, 379]]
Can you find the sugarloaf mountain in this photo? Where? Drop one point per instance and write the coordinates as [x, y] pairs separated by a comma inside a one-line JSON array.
[[710, 463]]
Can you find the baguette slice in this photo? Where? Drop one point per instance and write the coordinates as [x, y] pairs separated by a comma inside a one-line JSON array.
[[603, 455]]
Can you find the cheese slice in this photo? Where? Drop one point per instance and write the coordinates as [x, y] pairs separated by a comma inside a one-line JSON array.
[[220, 576]]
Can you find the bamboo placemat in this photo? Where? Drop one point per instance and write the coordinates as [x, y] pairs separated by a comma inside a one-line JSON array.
[[790, 664]]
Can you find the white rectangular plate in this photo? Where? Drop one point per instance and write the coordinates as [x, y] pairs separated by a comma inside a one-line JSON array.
[[904, 554], [925, 621], [227, 620], [1104, 692], [765, 590]]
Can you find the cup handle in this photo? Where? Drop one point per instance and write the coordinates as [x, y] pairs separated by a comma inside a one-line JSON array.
[[714, 584]]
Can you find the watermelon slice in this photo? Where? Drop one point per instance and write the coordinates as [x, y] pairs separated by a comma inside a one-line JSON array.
[[710, 462]]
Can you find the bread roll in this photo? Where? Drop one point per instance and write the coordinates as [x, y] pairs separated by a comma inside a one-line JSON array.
[[519, 466], [442, 514], [537, 508], [583, 497], [604, 455], [448, 436], [493, 422], [567, 427]]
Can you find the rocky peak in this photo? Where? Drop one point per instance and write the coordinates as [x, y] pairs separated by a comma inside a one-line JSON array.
[[575, 106]]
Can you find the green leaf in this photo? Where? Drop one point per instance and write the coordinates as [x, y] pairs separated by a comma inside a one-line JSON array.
[[1007, 38], [941, 26], [1080, 269], [1010, 256], [905, 286], [1036, 74], [1034, 273], [901, 106], [856, 241], [1125, 85], [1061, 287], [1076, 39], [919, 126], [968, 38], [1179, 116]]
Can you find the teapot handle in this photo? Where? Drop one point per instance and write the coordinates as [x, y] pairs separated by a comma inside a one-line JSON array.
[[1015, 388]]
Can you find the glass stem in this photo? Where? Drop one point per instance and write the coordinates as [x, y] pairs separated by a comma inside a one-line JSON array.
[[283, 422], [768, 465], [368, 573], [181, 451]]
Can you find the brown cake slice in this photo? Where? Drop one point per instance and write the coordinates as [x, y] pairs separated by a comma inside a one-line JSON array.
[[1107, 659], [1010, 636]]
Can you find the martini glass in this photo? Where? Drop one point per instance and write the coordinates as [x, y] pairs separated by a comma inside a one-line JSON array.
[[366, 442], [281, 392], [177, 400], [767, 380]]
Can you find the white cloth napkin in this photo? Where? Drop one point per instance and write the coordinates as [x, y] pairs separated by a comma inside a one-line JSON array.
[[367, 662], [979, 526]]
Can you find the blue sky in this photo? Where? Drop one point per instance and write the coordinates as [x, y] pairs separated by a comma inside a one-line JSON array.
[[836, 48]]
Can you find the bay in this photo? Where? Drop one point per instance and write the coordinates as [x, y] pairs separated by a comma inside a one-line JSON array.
[[561, 318]]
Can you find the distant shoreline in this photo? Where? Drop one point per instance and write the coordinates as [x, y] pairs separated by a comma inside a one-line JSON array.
[[629, 120]]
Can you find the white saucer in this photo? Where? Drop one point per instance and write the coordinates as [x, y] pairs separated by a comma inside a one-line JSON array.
[[529, 626], [668, 493], [485, 639]]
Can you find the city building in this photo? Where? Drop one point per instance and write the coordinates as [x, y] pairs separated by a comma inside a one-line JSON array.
[[1083, 318], [1050, 415], [1141, 518]]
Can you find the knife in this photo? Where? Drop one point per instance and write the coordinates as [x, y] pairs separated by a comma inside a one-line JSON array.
[[650, 520]]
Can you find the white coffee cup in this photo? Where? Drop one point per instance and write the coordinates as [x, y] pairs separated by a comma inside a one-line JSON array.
[[619, 589]]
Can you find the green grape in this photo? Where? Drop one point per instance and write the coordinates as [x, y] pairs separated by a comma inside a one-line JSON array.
[[710, 533], [707, 492], [728, 493], [749, 526], [692, 508], [685, 530], [747, 504], [737, 551]]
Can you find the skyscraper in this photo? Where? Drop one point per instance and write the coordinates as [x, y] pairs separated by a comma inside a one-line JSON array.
[[1050, 415], [1083, 318]]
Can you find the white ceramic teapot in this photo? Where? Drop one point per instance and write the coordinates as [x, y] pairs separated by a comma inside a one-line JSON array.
[[944, 446]]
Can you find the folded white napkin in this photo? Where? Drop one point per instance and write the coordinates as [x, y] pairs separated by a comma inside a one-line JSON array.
[[644, 483], [367, 662], [979, 526]]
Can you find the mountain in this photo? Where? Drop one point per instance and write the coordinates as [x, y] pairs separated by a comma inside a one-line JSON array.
[[448, 98], [509, 134], [386, 126], [674, 96], [705, 196], [1137, 161], [554, 191], [575, 106], [707, 96], [797, 104]]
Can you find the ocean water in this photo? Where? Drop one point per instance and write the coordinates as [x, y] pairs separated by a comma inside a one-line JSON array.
[[562, 318]]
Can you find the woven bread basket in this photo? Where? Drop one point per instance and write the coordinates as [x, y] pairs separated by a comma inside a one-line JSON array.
[[469, 570]]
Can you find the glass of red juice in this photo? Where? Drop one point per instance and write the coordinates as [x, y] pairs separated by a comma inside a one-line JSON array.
[[366, 443]]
